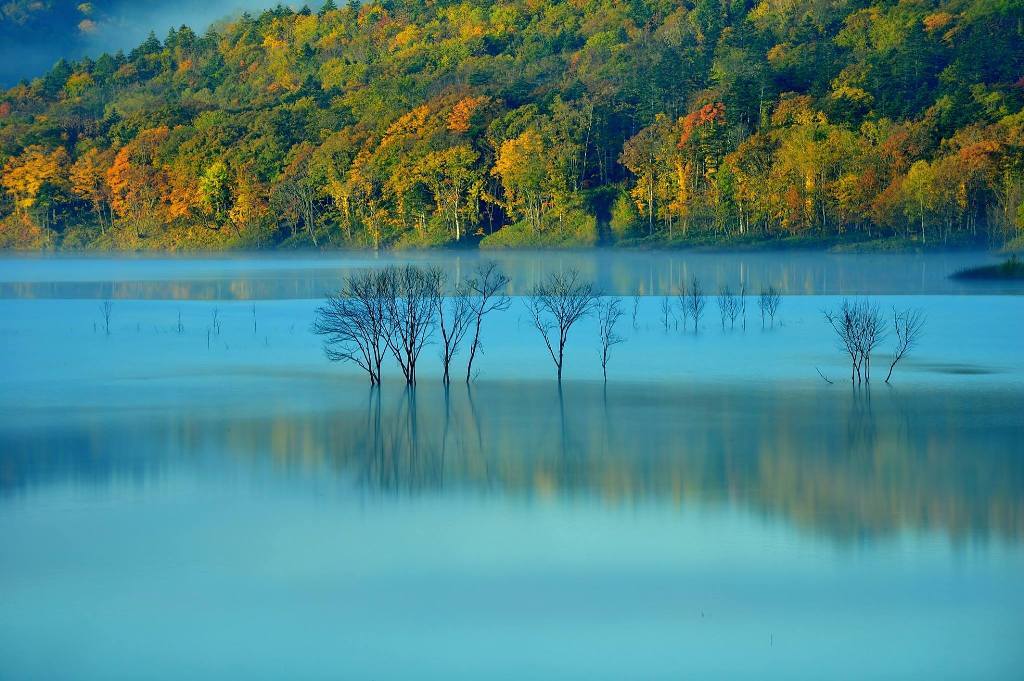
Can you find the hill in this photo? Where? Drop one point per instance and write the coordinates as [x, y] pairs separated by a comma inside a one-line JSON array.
[[531, 122]]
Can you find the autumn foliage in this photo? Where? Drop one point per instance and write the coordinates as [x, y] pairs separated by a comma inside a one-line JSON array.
[[516, 122]]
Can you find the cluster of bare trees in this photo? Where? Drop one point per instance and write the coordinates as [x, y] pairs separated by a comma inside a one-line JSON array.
[[397, 310], [769, 302], [861, 328], [732, 307]]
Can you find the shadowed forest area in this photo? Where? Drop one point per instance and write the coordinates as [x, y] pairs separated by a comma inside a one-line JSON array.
[[519, 123]]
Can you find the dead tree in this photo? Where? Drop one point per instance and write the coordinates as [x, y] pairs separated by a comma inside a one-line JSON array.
[[636, 309], [683, 304], [743, 303], [411, 314], [454, 316], [106, 308], [907, 325], [216, 321], [871, 335], [555, 306], [728, 307], [696, 302], [769, 302], [666, 312], [860, 328], [609, 311], [354, 322], [844, 324], [486, 291]]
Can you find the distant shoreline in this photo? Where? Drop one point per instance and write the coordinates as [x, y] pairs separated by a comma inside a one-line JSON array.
[[697, 245]]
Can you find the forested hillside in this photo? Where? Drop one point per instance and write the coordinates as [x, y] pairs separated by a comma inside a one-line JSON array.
[[531, 122]]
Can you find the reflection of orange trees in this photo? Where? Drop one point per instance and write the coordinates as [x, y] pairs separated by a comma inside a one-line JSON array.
[[836, 466]]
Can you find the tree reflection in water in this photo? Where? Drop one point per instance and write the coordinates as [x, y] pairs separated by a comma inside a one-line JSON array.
[[849, 465]]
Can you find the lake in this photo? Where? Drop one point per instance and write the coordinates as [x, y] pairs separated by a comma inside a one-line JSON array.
[[181, 503]]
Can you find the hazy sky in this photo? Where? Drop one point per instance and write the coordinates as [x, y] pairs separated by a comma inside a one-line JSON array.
[[36, 33]]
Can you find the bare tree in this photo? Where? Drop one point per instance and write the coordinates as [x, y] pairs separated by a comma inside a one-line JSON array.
[[454, 316], [860, 328], [106, 308], [696, 302], [411, 314], [683, 304], [486, 291], [743, 303], [666, 312], [872, 332], [728, 307], [844, 324], [609, 311], [557, 304], [354, 322], [769, 302], [216, 321], [908, 325], [636, 309]]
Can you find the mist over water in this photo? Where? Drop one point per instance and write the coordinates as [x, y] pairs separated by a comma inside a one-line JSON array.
[[169, 498]]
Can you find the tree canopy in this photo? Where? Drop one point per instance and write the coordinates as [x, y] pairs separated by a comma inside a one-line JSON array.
[[503, 122]]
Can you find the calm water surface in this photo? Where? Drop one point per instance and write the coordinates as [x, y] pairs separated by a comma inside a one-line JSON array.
[[177, 508]]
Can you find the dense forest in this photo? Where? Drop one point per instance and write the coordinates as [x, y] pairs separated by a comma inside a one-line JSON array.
[[400, 123]]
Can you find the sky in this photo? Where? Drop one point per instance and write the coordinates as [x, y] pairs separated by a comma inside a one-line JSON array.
[[34, 34]]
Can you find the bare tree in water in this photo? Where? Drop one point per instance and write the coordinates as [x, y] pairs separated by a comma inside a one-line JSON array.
[[769, 302], [609, 311], [683, 303], [666, 312], [411, 314], [636, 309], [728, 307], [555, 306], [860, 328], [696, 302], [743, 303], [486, 291], [106, 308], [354, 322], [454, 316], [908, 325]]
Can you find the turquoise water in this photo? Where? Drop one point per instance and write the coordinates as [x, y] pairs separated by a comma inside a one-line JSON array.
[[173, 509]]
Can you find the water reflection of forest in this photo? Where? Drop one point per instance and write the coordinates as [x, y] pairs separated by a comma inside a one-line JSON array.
[[615, 272], [847, 465]]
